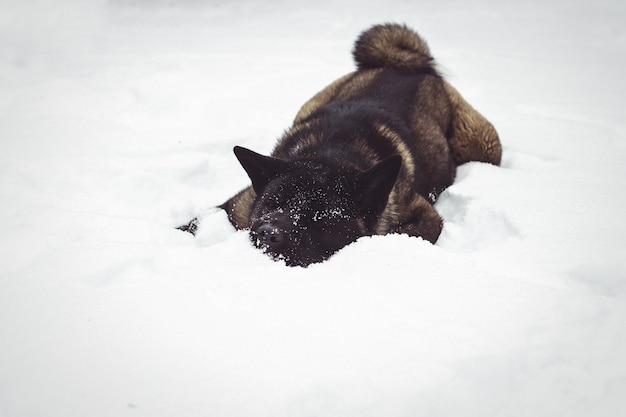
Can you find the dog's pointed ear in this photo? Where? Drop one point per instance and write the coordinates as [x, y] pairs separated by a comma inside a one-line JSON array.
[[376, 184], [260, 168]]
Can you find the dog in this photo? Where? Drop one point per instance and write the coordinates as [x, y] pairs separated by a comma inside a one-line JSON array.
[[367, 155]]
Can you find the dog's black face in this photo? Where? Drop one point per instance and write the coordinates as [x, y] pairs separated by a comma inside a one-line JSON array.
[[305, 211], [304, 216]]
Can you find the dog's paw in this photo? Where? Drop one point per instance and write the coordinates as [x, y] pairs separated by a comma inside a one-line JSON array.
[[191, 227]]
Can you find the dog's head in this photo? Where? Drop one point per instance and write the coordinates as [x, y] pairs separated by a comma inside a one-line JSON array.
[[308, 209]]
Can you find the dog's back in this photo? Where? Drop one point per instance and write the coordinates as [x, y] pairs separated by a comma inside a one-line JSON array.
[[395, 103]]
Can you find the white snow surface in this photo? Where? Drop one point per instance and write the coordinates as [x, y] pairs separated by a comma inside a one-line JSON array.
[[117, 121]]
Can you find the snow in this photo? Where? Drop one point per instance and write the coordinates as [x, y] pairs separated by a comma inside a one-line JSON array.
[[117, 122]]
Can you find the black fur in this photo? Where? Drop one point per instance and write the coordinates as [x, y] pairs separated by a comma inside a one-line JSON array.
[[367, 155]]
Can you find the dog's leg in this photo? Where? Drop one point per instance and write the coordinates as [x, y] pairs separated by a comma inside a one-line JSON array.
[[238, 208], [471, 136], [414, 217]]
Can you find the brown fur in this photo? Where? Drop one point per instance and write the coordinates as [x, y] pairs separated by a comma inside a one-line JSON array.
[[440, 130]]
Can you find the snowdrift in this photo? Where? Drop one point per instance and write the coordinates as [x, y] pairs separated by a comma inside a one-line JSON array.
[[117, 121]]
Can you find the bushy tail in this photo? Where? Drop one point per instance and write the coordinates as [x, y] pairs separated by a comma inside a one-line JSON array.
[[392, 45]]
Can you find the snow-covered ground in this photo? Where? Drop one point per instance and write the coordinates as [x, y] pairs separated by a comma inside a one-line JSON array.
[[117, 121]]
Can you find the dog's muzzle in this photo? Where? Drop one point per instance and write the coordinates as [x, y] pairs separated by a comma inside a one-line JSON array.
[[274, 233], [270, 236]]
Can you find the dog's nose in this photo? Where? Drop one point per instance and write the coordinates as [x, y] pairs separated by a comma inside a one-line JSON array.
[[270, 235]]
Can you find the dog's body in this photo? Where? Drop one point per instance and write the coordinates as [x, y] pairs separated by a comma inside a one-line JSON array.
[[367, 155]]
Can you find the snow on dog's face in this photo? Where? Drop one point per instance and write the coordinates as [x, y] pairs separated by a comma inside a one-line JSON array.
[[304, 217], [306, 210]]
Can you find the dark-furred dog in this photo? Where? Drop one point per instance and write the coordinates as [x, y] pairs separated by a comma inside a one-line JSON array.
[[367, 155]]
